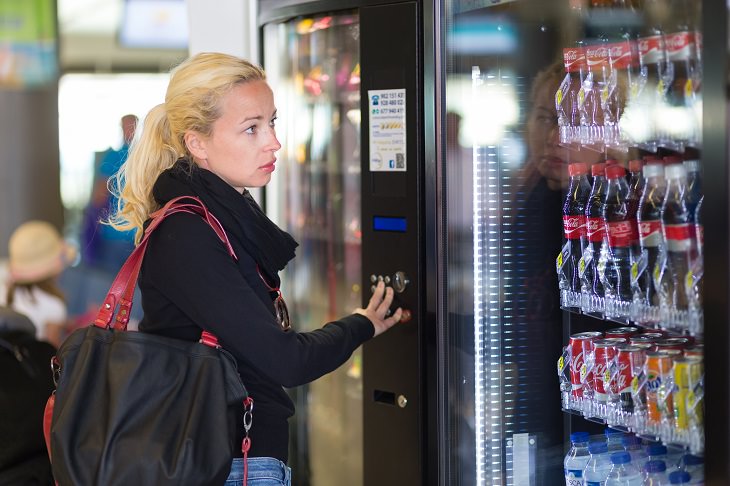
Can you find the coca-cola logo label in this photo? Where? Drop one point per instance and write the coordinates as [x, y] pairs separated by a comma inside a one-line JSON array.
[[650, 233], [597, 55], [622, 379], [574, 58], [595, 229], [621, 54], [622, 233], [651, 49], [574, 227], [680, 46]]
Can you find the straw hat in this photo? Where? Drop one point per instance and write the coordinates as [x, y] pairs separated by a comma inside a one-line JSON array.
[[37, 252]]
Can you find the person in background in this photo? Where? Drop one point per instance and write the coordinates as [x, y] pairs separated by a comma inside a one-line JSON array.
[[27, 383], [214, 137], [102, 246], [37, 256]]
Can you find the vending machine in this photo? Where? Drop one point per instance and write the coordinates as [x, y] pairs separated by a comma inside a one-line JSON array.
[[497, 162]]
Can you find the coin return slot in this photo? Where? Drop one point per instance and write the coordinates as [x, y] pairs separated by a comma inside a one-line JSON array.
[[385, 397]]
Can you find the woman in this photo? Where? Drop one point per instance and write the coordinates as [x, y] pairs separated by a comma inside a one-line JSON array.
[[213, 137]]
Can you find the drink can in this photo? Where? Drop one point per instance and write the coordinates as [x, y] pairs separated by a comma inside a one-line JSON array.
[[687, 409], [622, 332], [654, 334], [696, 350], [604, 352], [658, 369], [672, 335], [630, 360], [644, 346], [679, 343], [580, 345], [643, 338]]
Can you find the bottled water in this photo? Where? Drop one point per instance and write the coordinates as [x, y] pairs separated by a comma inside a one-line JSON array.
[[576, 459], [680, 477], [613, 439], [658, 452], [656, 474], [623, 472], [598, 466], [694, 465], [632, 445]]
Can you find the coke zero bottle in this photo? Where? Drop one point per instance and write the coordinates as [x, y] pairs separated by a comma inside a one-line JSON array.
[[678, 229], [595, 230]]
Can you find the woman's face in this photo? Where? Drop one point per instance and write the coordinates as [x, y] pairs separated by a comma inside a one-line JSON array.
[[542, 139], [242, 147]]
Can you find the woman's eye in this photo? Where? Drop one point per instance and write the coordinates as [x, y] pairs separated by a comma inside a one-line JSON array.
[[250, 130], [273, 122]]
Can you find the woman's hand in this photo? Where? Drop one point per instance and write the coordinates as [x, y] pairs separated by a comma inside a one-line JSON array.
[[378, 307]]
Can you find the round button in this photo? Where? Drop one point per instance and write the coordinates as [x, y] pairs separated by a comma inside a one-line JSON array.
[[400, 281], [406, 315]]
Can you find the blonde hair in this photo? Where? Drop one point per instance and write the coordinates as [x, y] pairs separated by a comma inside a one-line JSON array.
[[192, 103]]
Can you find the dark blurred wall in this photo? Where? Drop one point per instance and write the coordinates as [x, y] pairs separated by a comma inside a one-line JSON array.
[[29, 159]]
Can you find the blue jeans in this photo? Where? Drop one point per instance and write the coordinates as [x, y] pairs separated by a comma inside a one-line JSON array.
[[262, 471]]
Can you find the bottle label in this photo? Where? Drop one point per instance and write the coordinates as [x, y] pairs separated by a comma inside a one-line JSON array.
[[574, 59], [651, 49], [573, 477], [574, 227], [595, 483], [650, 233], [622, 233], [622, 54], [680, 46], [595, 229], [597, 56], [678, 237]]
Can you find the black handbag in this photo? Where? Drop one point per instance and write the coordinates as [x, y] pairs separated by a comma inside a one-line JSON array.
[[132, 408]]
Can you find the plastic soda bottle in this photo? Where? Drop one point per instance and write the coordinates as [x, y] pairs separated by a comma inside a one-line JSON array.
[[576, 459], [598, 466], [595, 231], [656, 473], [574, 224], [649, 218], [623, 472], [619, 212], [680, 477], [678, 229]]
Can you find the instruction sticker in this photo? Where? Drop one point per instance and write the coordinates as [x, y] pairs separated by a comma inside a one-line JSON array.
[[387, 130]]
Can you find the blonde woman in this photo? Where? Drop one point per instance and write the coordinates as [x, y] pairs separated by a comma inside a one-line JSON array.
[[214, 137]]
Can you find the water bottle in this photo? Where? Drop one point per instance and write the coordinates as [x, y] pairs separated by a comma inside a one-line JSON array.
[[574, 224], [632, 445], [658, 452], [613, 440], [576, 459], [680, 477], [598, 466], [695, 466], [649, 217], [623, 472], [656, 473], [678, 229], [619, 212]]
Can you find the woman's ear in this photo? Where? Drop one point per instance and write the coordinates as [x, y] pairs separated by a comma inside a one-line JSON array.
[[195, 145]]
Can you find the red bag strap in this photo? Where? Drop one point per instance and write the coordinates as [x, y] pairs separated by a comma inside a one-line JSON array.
[[122, 289]]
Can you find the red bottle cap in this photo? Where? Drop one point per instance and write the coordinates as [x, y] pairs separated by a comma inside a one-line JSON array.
[[610, 162], [635, 165], [598, 169], [577, 168], [615, 171]]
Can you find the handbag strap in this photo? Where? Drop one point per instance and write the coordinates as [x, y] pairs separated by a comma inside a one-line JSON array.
[[122, 288]]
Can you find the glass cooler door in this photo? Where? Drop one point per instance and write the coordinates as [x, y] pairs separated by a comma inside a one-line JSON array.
[[536, 90], [312, 65]]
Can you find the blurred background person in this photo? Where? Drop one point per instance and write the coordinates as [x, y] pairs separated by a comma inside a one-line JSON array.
[[37, 256], [27, 383], [102, 246]]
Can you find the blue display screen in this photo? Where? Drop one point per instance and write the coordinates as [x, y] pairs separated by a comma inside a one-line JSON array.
[[382, 223]]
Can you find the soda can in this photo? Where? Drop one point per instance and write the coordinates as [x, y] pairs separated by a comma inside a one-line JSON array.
[[644, 346], [679, 343], [630, 361], [604, 352], [687, 409], [643, 338], [622, 332], [580, 345], [696, 350], [658, 368], [654, 334]]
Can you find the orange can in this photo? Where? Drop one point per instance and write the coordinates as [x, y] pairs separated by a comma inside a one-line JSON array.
[[658, 398]]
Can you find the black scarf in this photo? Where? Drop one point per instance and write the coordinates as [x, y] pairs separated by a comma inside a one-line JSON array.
[[240, 215]]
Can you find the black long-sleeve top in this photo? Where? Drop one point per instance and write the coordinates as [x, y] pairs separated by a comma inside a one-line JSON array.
[[188, 281]]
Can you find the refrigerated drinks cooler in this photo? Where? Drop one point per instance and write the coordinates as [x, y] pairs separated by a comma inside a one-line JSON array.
[[433, 145]]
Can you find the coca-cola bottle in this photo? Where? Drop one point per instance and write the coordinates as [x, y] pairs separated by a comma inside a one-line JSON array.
[[694, 194], [595, 233], [649, 217], [574, 224], [619, 213], [566, 97], [636, 179], [678, 230]]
